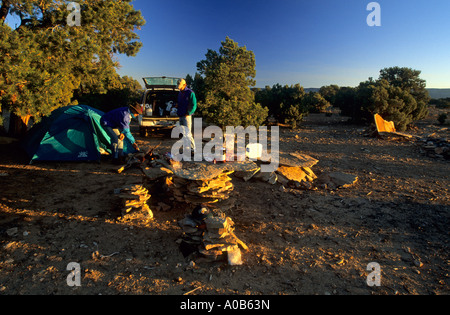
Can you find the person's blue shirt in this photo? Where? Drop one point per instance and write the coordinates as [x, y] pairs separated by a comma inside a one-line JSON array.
[[119, 119]]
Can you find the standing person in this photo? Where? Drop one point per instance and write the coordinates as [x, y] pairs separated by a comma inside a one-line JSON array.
[[117, 125], [187, 105]]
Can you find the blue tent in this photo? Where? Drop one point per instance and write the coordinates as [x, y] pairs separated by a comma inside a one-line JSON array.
[[71, 133]]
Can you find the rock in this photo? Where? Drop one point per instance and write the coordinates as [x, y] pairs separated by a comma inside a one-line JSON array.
[[154, 173], [292, 173], [435, 147], [297, 159], [343, 180], [164, 207], [234, 257], [211, 235], [207, 190], [12, 231], [304, 185], [267, 177], [282, 180], [336, 180], [134, 200], [418, 263]]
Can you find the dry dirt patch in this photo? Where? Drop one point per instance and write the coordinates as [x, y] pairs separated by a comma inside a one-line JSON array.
[[301, 241]]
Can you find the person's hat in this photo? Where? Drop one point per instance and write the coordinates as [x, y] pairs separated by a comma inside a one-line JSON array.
[[137, 109]]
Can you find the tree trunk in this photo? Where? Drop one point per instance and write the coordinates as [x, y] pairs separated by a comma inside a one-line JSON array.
[[4, 10]]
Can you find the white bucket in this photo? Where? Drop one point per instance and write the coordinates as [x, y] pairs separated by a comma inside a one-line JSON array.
[[254, 151]]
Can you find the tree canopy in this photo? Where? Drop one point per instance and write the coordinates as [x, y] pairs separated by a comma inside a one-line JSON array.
[[44, 60], [227, 77], [285, 103], [398, 95]]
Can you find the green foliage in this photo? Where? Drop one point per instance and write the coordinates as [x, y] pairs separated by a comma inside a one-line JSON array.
[[442, 118], [233, 112], [124, 92], [285, 103], [399, 95], [409, 80], [44, 61], [197, 84], [391, 102], [345, 100], [314, 102], [329, 93], [441, 103], [227, 77]]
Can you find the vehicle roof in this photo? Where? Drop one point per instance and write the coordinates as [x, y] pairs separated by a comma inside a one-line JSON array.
[[161, 83]]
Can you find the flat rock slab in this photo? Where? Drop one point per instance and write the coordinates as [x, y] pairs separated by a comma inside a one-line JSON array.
[[292, 173], [297, 159], [204, 170]]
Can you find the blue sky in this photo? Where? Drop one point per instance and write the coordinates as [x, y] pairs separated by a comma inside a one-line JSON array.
[[313, 43]]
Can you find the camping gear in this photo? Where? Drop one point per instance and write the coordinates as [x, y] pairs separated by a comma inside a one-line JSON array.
[[71, 133], [148, 110], [254, 151]]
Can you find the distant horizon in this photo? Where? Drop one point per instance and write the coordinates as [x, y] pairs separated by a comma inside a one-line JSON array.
[[313, 44]]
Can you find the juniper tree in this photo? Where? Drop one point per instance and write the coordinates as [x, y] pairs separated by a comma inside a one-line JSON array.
[[285, 103], [228, 75], [43, 61], [399, 95]]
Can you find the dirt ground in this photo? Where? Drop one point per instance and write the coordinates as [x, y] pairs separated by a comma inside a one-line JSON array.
[[302, 242]]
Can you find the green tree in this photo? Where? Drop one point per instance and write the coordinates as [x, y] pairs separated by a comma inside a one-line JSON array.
[[124, 92], [329, 92], [345, 101], [285, 103], [197, 84], [228, 76], [399, 95], [314, 102], [44, 61], [391, 102], [409, 80]]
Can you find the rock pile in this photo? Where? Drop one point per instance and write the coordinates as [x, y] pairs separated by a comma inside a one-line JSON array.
[[435, 147], [295, 172], [134, 200], [210, 234], [297, 177], [201, 184]]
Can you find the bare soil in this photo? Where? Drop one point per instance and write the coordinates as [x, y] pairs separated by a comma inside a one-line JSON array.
[[302, 242]]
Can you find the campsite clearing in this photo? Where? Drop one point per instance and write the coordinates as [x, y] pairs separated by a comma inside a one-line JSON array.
[[300, 241]]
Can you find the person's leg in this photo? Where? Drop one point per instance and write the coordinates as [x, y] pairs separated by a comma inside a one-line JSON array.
[[187, 122], [114, 141], [119, 144]]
